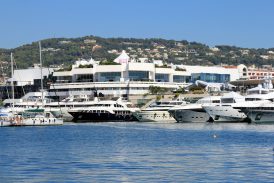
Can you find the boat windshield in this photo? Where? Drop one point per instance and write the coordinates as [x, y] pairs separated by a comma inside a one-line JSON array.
[[130, 105], [32, 114]]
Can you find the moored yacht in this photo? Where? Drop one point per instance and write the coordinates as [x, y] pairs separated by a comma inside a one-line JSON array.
[[104, 111], [237, 108], [193, 112], [224, 111], [158, 111]]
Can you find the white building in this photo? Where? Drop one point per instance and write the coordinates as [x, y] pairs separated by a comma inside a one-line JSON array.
[[135, 78], [24, 77], [127, 76]]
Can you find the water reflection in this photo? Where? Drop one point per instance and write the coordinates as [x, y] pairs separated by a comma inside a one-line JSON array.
[[138, 152]]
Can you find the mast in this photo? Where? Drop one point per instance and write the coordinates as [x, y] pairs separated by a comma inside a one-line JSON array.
[[12, 84], [41, 69]]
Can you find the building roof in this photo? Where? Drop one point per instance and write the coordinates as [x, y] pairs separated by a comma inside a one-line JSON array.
[[123, 58]]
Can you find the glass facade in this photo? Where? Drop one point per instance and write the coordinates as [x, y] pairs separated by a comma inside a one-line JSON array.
[[138, 75], [109, 76], [161, 78], [64, 79], [84, 78], [181, 79], [210, 77]]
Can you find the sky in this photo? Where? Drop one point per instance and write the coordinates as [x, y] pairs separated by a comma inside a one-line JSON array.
[[243, 23]]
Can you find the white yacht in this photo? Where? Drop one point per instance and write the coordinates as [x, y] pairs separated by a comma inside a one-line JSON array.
[[158, 111], [224, 111], [236, 108], [31, 100], [104, 111], [193, 112]]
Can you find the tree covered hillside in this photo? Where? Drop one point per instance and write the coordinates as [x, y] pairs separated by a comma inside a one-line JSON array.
[[57, 51]]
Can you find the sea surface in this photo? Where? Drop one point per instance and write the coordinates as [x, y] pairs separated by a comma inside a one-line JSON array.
[[138, 152]]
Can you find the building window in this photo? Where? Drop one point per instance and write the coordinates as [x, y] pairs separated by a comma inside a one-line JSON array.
[[179, 79], [138, 75], [64, 79], [109, 76], [210, 77], [161, 78], [84, 78]]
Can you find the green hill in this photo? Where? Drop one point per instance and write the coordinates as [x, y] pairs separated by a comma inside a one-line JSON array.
[[57, 51]]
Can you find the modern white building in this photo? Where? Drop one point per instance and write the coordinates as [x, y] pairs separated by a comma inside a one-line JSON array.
[[126, 76], [135, 78], [28, 76], [217, 74]]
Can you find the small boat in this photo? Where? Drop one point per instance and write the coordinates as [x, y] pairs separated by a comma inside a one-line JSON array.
[[35, 117]]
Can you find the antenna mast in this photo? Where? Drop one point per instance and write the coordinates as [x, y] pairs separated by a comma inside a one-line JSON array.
[[12, 84], [41, 69]]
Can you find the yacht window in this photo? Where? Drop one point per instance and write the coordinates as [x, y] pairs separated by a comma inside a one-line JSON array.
[[227, 100], [252, 99], [253, 92]]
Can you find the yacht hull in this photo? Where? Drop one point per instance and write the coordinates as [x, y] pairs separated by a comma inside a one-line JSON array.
[[190, 116], [154, 116], [101, 117], [62, 113], [5, 123], [225, 114], [261, 117], [38, 122]]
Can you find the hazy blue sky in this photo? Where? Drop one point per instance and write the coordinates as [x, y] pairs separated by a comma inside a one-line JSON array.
[[245, 23]]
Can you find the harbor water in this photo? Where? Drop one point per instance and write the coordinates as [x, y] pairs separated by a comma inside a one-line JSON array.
[[138, 152]]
